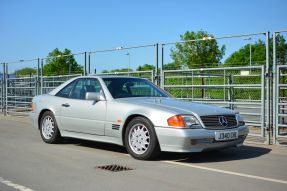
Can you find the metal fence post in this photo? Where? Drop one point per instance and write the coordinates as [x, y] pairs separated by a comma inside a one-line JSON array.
[[85, 63], [263, 103], [224, 82], [37, 77], [268, 84], [274, 89], [232, 92], [162, 63], [89, 62], [156, 77], [42, 73], [5, 84], [229, 92], [3, 89], [192, 88], [153, 76]]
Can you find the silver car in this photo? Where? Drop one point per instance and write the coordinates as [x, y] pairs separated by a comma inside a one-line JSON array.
[[134, 113]]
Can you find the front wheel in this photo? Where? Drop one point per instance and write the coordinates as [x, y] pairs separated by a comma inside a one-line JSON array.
[[49, 129], [141, 140]]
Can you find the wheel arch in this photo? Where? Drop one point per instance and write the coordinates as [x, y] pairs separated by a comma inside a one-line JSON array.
[[128, 120], [41, 114]]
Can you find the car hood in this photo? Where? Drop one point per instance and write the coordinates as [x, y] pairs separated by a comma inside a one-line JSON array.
[[179, 106]]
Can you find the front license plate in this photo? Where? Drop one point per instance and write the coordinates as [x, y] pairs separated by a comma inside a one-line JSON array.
[[226, 135]]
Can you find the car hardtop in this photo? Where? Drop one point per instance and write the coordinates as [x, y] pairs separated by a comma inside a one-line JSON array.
[[96, 76]]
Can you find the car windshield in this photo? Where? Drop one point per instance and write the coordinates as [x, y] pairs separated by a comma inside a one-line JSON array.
[[132, 87]]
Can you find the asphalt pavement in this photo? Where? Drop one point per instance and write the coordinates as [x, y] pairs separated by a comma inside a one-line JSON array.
[[28, 164]]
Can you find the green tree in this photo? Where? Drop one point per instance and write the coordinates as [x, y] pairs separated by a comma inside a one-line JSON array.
[[171, 66], [60, 63], [204, 52], [145, 67], [281, 50], [258, 53], [25, 72], [121, 70], [242, 56]]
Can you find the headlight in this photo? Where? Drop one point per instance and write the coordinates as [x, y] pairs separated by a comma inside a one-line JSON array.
[[239, 119], [183, 121]]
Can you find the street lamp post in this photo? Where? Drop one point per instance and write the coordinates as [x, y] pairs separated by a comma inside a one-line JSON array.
[[250, 59], [250, 50], [129, 55], [69, 66]]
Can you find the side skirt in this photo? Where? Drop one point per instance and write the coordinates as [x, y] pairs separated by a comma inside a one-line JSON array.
[[92, 137]]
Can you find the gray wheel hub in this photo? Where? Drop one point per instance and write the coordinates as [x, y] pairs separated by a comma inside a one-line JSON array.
[[139, 138]]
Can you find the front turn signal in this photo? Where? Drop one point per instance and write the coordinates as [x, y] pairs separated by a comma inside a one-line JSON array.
[[33, 106], [176, 121]]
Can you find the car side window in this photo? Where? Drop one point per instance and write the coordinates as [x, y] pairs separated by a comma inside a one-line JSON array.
[[83, 86], [65, 92]]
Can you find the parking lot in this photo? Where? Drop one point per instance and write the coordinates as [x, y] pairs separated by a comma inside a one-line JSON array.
[[26, 164]]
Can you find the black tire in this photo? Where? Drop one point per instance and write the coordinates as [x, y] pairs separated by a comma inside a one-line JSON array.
[[153, 150], [55, 136]]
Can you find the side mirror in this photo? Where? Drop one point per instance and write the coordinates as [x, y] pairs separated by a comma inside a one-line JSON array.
[[95, 96]]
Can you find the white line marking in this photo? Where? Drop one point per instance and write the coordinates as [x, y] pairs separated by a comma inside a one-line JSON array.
[[14, 185], [228, 172]]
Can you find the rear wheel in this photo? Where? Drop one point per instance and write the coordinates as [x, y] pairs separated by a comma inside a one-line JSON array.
[[141, 140], [49, 129]]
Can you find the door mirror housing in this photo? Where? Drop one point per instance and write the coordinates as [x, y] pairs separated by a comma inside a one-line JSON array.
[[95, 96]]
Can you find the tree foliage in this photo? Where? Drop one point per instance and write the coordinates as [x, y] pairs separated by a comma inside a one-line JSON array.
[[25, 72], [204, 52], [281, 50], [242, 56], [60, 63], [258, 53], [121, 70], [117, 70], [145, 67]]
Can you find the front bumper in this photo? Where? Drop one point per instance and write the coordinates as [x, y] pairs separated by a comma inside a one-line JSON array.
[[195, 140], [34, 119]]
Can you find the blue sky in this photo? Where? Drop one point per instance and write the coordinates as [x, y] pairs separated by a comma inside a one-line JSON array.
[[32, 28]]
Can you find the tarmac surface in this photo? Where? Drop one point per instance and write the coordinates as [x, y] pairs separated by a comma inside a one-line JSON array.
[[29, 164]]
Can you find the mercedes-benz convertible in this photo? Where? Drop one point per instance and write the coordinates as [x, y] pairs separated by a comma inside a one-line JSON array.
[[134, 113]]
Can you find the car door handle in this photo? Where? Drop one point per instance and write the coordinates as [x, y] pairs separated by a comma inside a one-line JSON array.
[[66, 105]]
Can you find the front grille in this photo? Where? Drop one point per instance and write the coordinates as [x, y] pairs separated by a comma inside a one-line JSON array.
[[213, 121]]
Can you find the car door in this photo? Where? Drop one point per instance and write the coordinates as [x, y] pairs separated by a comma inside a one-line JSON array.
[[78, 114]]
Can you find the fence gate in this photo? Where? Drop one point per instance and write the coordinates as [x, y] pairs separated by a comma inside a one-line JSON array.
[[48, 83], [237, 88], [19, 94], [281, 105]]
